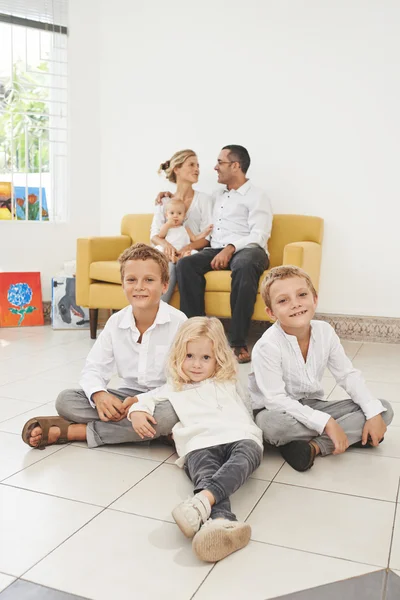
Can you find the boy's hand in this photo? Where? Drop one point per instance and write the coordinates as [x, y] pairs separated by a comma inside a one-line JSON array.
[[141, 424], [337, 435], [109, 407], [375, 429], [127, 403]]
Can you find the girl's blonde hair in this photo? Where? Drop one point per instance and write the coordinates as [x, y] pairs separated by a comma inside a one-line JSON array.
[[176, 160], [193, 329]]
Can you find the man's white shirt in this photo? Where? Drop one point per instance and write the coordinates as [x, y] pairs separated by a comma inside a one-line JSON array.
[[241, 217], [140, 367]]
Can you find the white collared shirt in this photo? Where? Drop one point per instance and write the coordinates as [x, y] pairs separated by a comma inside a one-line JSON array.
[[281, 377], [241, 217], [139, 366], [210, 413]]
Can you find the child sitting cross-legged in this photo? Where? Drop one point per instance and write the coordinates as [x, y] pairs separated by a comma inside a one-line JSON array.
[[289, 362], [217, 442]]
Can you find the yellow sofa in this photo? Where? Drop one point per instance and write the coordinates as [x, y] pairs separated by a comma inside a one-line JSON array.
[[295, 240]]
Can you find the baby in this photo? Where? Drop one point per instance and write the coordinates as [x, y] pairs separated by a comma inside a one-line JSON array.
[[174, 231]]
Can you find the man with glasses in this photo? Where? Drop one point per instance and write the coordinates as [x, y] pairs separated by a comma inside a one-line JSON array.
[[242, 221]]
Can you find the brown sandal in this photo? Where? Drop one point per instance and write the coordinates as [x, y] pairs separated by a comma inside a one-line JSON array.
[[45, 423], [238, 350]]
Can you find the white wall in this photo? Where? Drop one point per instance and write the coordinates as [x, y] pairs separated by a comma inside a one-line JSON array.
[[311, 88], [45, 247]]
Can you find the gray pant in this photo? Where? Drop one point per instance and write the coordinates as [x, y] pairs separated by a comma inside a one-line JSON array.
[[279, 428], [222, 470], [172, 283], [74, 406]]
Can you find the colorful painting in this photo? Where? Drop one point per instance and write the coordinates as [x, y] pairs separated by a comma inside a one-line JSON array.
[[65, 313], [5, 200], [33, 203], [20, 300]]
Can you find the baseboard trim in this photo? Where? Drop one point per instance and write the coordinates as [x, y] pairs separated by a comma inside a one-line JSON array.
[[348, 327]]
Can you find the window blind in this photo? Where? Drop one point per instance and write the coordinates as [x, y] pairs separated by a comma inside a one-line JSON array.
[[49, 15]]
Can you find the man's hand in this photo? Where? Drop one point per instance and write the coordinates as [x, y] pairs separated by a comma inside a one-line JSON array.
[[141, 424], [221, 260], [375, 429], [162, 195], [109, 407], [337, 435]]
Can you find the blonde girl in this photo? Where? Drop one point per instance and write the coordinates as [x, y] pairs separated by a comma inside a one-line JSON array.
[[217, 442]]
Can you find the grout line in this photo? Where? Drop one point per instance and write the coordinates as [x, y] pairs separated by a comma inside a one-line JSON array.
[[16, 487], [312, 489], [160, 462], [393, 527], [34, 463], [265, 491]]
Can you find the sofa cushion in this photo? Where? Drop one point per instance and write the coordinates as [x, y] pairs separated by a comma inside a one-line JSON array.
[[105, 270]]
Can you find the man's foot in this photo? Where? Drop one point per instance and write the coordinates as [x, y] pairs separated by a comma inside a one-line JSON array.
[[45, 431], [219, 537], [191, 514], [242, 354], [299, 455]]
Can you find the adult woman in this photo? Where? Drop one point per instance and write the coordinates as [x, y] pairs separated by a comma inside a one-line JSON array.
[[183, 169]]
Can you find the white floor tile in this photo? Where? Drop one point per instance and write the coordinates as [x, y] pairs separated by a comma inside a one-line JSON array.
[[328, 385], [381, 389], [11, 407], [388, 372], [395, 554], [261, 571], [325, 523], [33, 389], [5, 581], [95, 477], [32, 525], [145, 498], [66, 372], [158, 452], [123, 556], [351, 348], [389, 447], [379, 354], [16, 455], [15, 425], [271, 463], [350, 473]]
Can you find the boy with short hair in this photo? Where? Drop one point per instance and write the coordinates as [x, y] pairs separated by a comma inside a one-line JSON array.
[[286, 384], [136, 341]]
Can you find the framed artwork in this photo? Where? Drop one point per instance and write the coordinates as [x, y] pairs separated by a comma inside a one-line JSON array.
[[20, 300], [5, 200], [65, 313], [33, 203]]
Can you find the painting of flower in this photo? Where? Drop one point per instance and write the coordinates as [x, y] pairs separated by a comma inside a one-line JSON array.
[[33, 203], [20, 300]]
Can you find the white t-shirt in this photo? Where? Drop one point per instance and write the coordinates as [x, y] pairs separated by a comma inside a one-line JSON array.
[[210, 413]]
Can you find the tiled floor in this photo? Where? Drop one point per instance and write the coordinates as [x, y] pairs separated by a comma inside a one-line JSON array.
[[97, 523]]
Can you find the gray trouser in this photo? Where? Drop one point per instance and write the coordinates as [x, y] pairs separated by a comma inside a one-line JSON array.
[[74, 406], [279, 428], [222, 470], [172, 283]]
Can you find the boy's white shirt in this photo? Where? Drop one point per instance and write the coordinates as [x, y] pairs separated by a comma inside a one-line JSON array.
[[201, 422], [140, 367], [281, 377]]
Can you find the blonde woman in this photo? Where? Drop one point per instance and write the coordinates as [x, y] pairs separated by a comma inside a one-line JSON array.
[[216, 439], [183, 170]]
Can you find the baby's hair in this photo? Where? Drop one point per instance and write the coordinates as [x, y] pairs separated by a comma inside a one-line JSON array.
[[284, 272], [193, 329], [174, 201], [175, 161], [141, 251]]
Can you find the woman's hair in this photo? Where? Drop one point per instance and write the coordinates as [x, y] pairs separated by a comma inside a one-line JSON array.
[[176, 160], [193, 329]]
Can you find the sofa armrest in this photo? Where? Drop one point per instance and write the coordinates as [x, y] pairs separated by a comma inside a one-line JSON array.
[[307, 256], [91, 250]]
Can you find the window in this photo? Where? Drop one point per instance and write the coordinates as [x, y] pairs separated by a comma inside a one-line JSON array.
[[33, 110]]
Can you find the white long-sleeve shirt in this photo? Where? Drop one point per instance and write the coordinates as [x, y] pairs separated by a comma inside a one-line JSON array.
[[140, 366], [241, 217], [197, 218], [281, 377], [210, 413]]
